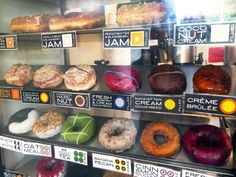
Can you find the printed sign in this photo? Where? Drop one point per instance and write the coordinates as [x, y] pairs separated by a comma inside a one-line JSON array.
[[126, 38], [8, 42], [37, 149], [112, 163], [11, 144], [71, 155], [158, 103], [186, 173], [41, 97], [58, 40], [10, 93], [70, 99], [198, 34], [212, 104], [110, 101], [8, 173], [146, 170]]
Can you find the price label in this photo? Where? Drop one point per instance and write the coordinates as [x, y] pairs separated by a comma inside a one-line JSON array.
[[40, 97], [126, 38], [11, 144], [8, 173], [186, 173], [208, 33], [58, 40], [112, 163], [147, 170], [37, 149], [69, 99], [110, 101], [71, 155], [10, 93], [158, 103], [212, 104], [8, 42]]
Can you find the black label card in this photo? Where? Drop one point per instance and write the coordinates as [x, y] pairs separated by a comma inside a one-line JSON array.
[[40, 97], [8, 173], [8, 42], [126, 38], [158, 103], [10, 93], [212, 104], [58, 40], [110, 101], [70, 99], [197, 34]]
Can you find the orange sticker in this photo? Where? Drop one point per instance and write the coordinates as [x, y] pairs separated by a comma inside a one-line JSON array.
[[228, 106], [137, 38], [15, 94], [10, 42]]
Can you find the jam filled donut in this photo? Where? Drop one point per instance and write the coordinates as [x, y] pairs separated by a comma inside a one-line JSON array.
[[50, 167], [166, 149], [117, 134], [48, 125], [78, 128], [212, 79], [207, 144], [124, 79]]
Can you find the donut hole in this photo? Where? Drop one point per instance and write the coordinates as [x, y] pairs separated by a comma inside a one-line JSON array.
[[117, 132], [50, 166], [160, 138], [76, 129], [208, 142]]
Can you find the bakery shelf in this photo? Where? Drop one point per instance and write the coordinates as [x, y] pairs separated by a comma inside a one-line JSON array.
[[136, 153]]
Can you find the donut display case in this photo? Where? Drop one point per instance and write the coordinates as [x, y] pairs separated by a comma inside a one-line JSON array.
[[117, 88]]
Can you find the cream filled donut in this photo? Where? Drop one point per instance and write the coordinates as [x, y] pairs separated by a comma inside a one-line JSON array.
[[26, 125], [118, 134], [48, 125], [50, 167]]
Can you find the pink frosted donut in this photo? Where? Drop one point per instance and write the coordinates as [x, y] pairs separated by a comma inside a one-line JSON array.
[[124, 79], [50, 167]]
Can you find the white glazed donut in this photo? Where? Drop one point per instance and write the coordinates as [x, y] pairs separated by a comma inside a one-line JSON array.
[[26, 125]]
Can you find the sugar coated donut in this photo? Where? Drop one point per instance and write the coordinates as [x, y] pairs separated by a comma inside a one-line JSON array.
[[207, 144], [26, 125], [78, 128], [50, 167], [167, 148], [48, 125], [118, 134]]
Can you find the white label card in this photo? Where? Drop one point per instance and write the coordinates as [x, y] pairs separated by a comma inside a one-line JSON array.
[[112, 163], [71, 155], [147, 170], [37, 149], [186, 173], [11, 144]]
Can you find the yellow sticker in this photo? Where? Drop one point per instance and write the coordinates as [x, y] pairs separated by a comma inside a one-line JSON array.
[[44, 97], [137, 38], [228, 106], [169, 104]]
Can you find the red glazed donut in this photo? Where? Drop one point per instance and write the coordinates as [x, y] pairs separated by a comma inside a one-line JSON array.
[[207, 144], [124, 79], [49, 167]]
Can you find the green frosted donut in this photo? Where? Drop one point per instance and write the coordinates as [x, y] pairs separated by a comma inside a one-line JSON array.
[[78, 128]]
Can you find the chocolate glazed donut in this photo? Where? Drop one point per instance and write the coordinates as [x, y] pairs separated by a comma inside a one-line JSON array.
[[167, 79], [207, 144]]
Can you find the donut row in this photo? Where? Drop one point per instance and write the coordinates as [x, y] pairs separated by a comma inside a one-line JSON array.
[[163, 79], [204, 144]]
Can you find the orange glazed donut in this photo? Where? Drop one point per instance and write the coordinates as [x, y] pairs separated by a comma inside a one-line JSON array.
[[166, 149]]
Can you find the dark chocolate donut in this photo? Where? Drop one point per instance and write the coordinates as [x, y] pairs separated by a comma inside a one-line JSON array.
[[207, 144], [212, 79], [167, 79]]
